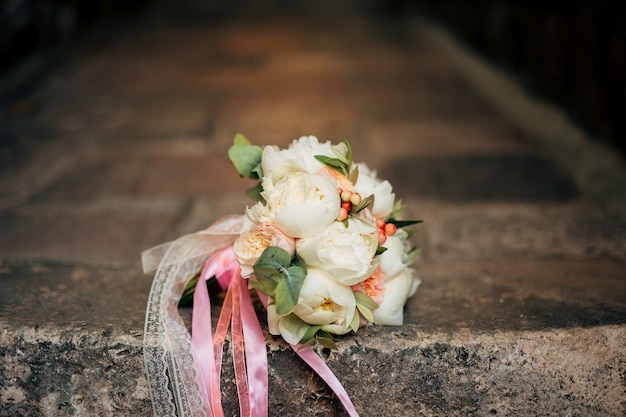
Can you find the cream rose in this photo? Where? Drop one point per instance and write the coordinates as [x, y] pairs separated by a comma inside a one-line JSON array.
[[346, 253], [249, 246], [299, 157], [289, 326], [392, 260], [255, 215], [301, 205], [369, 184], [398, 289], [325, 302]]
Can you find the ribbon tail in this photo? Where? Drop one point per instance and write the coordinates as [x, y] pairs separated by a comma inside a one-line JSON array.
[[203, 345], [218, 345], [202, 333], [320, 367], [256, 353], [238, 350]]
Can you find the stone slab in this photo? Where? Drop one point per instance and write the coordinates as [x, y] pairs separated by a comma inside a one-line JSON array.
[[402, 372], [100, 234], [496, 296], [509, 231], [70, 295], [468, 178], [518, 295], [480, 339]]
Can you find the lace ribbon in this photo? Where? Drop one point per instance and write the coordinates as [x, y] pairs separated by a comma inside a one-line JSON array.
[[170, 365], [184, 370]]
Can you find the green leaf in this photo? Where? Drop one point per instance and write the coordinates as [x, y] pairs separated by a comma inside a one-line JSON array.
[[255, 193], [246, 157], [273, 257], [270, 269], [288, 290], [403, 223], [356, 322], [299, 261], [327, 342], [354, 175], [267, 274], [267, 286], [366, 202], [348, 151], [380, 250], [365, 304], [397, 210], [366, 313], [412, 255], [296, 325], [364, 300], [310, 333], [334, 163], [340, 156], [191, 287], [306, 344], [240, 140], [280, 276]]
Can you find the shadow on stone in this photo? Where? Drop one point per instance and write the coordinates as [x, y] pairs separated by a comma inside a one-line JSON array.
[[481, 177]]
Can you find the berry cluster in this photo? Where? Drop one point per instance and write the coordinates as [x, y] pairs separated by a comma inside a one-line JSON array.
[[348, 199], [384, 230]]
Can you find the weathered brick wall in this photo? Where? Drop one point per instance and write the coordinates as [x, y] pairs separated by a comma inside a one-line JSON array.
[[571, 52]]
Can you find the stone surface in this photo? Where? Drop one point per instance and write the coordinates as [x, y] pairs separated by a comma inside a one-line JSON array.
[[479, 178], [122, 146]]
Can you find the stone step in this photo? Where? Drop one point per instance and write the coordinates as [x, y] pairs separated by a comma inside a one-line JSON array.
[[479, 339]]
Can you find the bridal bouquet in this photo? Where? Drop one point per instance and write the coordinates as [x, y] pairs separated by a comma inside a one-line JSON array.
[[324, 247]]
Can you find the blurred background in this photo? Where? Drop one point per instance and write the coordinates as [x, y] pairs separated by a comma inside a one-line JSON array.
[[571, 53]]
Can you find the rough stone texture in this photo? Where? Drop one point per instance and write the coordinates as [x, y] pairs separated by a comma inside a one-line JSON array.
[[122, 146], [578, 371], [66, 371]]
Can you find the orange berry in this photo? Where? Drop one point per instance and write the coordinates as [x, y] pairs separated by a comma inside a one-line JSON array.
[[346, 205], [382, 237], [390, 229], [380, 223], [343, 214]]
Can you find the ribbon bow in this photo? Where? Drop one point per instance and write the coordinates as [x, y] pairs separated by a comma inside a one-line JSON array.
[[184, 370]]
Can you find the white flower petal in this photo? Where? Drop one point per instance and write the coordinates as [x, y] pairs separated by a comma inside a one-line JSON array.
[[397, 290]]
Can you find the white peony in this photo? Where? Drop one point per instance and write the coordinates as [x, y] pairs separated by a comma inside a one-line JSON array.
[[392, 260], [384, 198], [289, 326], [299, 157], [301, 205], [325, 302], [346, 253], [255, 215], [250, 245], [398, 289]]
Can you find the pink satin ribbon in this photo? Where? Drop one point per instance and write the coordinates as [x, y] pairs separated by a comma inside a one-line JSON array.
[[319, 366], [202, 336], [247, 340]]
